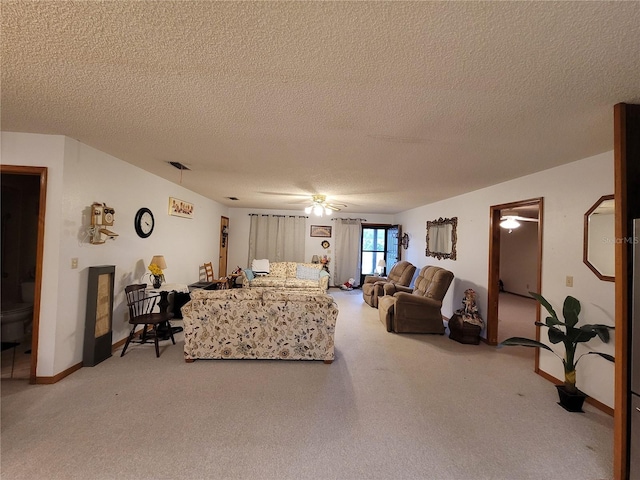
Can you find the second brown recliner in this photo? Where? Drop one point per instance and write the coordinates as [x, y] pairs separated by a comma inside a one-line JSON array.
[[372, 288], [404, 310]]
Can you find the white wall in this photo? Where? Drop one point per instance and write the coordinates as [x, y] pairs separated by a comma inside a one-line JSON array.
[[78, 176], [568, 191]]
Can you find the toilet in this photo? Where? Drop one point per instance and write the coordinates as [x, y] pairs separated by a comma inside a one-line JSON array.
[[16, 318]]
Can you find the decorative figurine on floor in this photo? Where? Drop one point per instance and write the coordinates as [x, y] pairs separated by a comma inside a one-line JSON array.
[[465, 324], [348, 285], [470, 313]]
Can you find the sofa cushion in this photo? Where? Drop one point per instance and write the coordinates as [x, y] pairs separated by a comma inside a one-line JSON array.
[[302, 284], [268, 281], [290, 269], [229, 294], [278, 269], [289, 296]]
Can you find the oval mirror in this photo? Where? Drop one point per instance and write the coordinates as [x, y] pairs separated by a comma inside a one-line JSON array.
[[599, 238]]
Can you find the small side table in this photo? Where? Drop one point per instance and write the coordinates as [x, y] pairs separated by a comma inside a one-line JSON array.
[[233, 280], [165, 303], [462, 331]]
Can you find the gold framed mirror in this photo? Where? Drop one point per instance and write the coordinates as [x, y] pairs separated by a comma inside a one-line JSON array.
[[599, 239], [442, 238]]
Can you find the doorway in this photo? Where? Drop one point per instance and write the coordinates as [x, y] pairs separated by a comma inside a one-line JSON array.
[[23, 214], [379, 249], [522, 212]]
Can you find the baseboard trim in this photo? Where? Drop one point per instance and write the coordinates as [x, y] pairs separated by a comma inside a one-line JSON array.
[[591, 401], [528, 297], [120, 343], [74, 368], [59, 376]]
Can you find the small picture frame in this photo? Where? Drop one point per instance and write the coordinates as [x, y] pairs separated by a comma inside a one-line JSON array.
[[180, 208], [320, 231]]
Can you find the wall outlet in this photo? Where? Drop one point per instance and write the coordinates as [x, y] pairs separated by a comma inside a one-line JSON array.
[[569, 281], [74, 263]]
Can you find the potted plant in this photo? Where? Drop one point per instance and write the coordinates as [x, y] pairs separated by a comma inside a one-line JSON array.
[[570, 335]]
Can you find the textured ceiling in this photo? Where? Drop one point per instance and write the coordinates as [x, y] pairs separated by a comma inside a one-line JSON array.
[[382, 106]]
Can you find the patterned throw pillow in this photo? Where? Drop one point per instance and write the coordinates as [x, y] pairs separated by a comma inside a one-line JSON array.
[[278, 269], [307, 273]]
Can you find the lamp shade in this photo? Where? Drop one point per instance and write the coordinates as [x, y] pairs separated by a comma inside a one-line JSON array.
[[382, 263], [315, 259], [159, 261]]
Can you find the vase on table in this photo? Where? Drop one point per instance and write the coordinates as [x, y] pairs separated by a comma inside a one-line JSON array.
[[157, 281]]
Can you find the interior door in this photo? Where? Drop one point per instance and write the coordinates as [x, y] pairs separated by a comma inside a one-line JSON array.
[[394, 233], [224, 245]]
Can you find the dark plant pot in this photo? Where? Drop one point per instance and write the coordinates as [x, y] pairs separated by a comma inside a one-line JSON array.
[[156, 283], [571, 402]]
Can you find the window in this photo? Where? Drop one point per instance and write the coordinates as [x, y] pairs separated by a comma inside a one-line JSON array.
[[379, 242]]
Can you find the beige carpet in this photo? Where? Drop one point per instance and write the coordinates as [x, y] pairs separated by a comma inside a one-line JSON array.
[[390, 407], [516, 317]]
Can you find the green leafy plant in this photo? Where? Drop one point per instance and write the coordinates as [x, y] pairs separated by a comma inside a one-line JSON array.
[[567, 333]]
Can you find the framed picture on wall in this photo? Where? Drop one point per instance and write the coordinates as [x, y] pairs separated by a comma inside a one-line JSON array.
[[320, 231], [180, 208]]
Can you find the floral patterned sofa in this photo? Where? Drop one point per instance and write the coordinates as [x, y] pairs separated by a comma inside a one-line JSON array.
[[259, 323], [308, 277]]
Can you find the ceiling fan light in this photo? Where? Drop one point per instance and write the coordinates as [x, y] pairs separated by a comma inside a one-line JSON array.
[[509, 223], [318, 209]]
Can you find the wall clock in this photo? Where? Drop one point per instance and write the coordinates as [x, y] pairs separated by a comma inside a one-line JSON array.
[[325, 244], [144, 222]]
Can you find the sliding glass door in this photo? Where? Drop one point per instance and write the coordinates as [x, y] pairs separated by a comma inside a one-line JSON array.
[[379, 242]]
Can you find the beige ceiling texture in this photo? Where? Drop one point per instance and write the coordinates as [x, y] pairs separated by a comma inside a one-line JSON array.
[[382, 106]]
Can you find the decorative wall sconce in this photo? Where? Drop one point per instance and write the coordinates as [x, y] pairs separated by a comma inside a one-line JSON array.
[[101, 217], [404, 241], [225, 235]]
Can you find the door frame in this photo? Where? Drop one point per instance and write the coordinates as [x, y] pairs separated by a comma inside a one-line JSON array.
[[386, 227], [223, 256], [42, 204], [494, 267]]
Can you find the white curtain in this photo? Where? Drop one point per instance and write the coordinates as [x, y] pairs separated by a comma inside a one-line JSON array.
[[347, 247], [277, 238]]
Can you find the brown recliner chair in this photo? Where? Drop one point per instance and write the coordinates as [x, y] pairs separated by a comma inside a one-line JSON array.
[[372, 288], [403, 310]]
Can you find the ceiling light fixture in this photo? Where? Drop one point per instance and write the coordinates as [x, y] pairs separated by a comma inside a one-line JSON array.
[[510, 222], [320, 207]]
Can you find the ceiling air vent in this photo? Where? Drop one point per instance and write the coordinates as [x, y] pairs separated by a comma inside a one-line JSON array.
[[179, 166]]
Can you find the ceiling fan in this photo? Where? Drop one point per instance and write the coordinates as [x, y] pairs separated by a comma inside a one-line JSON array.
[[320, 206], [512, 221]]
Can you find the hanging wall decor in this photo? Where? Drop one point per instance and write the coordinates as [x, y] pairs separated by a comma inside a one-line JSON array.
[[180, 208]]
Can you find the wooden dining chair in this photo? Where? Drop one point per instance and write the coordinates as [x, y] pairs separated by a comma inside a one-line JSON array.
[[219, 283], [141, 312], [208, 270]]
